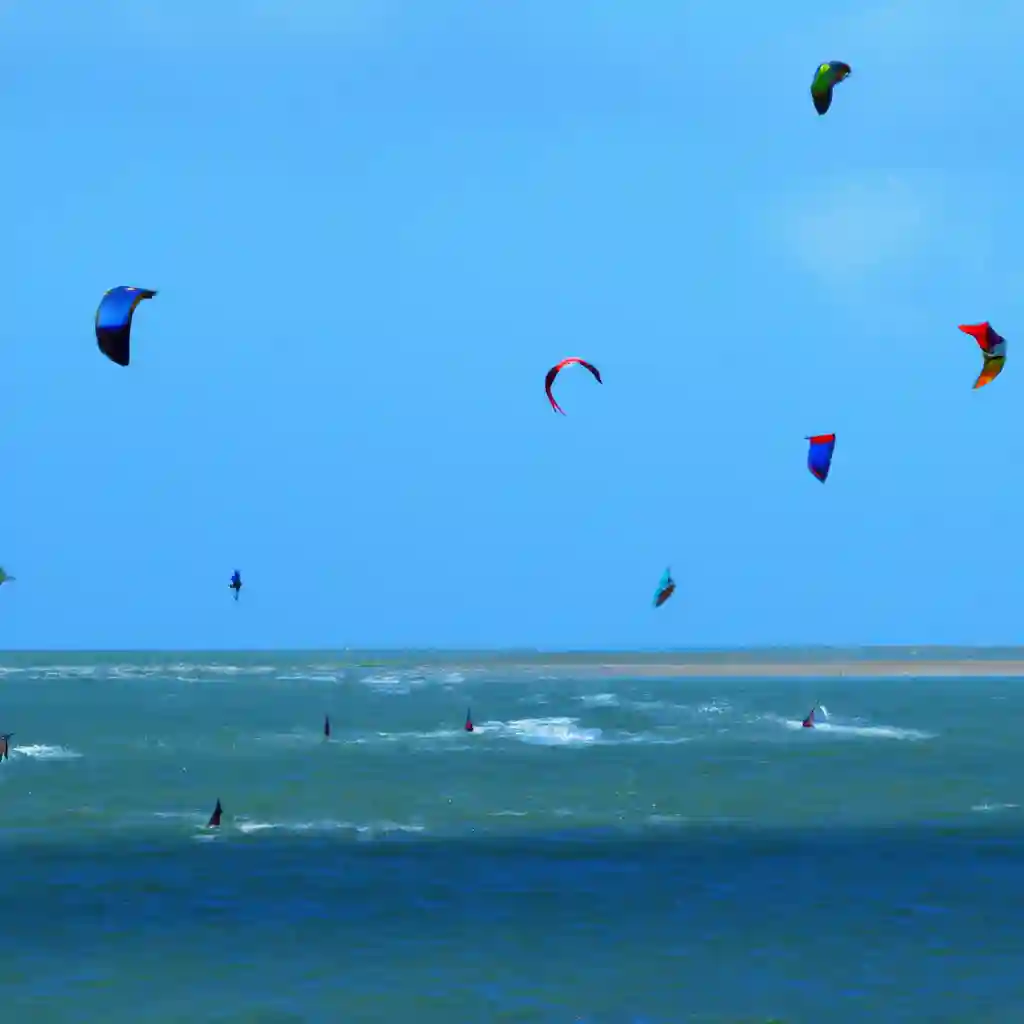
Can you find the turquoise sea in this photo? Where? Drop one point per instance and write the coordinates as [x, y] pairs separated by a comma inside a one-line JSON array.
[[612, 844]]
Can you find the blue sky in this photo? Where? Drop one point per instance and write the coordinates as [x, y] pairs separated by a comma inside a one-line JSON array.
[[374, 225]]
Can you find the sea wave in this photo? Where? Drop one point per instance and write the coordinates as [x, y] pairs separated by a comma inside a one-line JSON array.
[[560, 731], [833, 728], [367, 830], [396, 683], [599, 700], [45, 752]]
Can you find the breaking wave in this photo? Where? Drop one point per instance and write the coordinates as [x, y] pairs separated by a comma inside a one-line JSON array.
[[553, 732], [43, 752], [370, 830], [833, 728]]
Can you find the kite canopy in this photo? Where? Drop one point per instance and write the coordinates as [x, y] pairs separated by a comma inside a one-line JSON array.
[[819, 456], [556, 369], [826, 78], [114, 321], [666, 588], [4, 578], [993, 348]]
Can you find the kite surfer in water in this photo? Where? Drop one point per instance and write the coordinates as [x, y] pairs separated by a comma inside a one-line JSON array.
[[5, 745], [327, 727], [808, 722], [236, 583], [469, 721], [214, 821]]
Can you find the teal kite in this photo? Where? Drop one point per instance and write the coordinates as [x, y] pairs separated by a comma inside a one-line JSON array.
[[666, 588]]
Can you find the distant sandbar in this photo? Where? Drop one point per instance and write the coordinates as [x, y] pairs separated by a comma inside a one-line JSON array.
[[828, 669]]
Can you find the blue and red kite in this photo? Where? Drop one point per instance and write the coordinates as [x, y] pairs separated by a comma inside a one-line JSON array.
[[819, 456]]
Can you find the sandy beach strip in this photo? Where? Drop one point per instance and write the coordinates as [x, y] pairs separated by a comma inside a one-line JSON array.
[[852, 669]]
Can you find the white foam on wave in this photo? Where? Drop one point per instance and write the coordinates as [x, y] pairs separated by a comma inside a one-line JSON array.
[[885, 732], [51, 671], [402, 681], [185, 672], [188, 672], [538, 731], [218, 669], [987, 808], [555, 732], [560, 731], [405, 737], [654, 739], [249, 826], [44, 752], [393, 683], [308, 677], [714, 708], [316, 738], [599, 700]]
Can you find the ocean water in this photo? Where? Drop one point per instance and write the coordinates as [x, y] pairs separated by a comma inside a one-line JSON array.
[[609, 845]]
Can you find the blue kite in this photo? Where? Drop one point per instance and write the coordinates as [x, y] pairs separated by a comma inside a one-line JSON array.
[[114, 321]]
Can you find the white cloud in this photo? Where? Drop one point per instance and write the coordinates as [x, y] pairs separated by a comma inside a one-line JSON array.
[[855, 228]]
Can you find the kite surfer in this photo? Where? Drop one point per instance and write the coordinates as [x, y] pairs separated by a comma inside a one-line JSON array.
[[214, 821]]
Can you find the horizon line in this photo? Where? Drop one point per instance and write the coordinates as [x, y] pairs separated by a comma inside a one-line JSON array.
[[908, 649]]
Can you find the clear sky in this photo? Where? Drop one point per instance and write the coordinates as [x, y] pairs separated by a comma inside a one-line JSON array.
[[374, 225]]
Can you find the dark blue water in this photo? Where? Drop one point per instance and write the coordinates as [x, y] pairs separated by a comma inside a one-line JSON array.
[[700, 925]]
